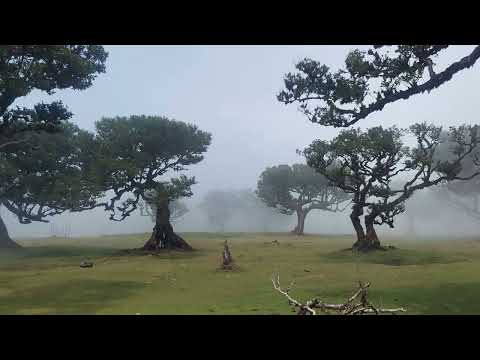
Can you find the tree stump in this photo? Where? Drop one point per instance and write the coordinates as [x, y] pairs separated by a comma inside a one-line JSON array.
[[227, 259]]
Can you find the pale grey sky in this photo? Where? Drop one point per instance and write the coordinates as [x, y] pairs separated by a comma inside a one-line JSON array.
[[230, 91]]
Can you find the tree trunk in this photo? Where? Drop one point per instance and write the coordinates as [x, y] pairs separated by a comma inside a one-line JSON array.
[[163, 236], [301, 223], [5, 241], [357, 225], [371, 236], [226, 255], [365, 241], [298, 230]]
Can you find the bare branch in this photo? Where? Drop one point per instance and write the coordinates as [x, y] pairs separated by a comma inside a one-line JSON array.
[[291, 301], [347, 308]]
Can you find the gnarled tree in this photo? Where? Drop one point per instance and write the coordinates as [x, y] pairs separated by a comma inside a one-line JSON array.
[[298, 189], [135, 153], [370, 80], [166, 193], [23, 69], [367, 162], [51, 174]]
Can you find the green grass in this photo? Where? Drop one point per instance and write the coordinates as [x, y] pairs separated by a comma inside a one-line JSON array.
[[426, 277]]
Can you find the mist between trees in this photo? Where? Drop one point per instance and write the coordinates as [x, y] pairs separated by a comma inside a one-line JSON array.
[[53, 169], [428, 215]]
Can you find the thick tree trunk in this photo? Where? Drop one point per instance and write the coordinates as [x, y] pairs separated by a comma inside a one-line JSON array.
[[298, 230], [163, 236], [366, 241], [5, 241], [371, 236]]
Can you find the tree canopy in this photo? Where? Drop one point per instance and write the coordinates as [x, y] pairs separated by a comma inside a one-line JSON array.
[[135, 155], [54, 174], [44, 173], [370, 80], [299, 189], [364, 164], [24, 68]]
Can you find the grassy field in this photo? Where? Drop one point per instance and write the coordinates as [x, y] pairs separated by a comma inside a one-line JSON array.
[[426, 277]]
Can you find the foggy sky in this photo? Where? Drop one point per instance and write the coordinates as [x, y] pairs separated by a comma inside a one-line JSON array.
[[230, 91]]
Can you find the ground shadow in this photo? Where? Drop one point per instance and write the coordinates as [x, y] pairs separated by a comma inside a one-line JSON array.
[[444, 299], [394, 257], [161, 254], [51, 255], [70, 297]]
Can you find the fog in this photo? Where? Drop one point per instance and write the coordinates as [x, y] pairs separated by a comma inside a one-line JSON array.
[[230, 91]]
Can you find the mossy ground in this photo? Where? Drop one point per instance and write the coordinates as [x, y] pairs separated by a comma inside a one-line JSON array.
[[426, 277]]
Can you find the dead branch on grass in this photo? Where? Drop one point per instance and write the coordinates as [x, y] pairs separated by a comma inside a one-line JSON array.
[[350, 307]]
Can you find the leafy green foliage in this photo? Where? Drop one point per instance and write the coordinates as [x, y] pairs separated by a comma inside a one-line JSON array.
[[24, 68], [51, 175], [367, 163], [46, 162], [298, 187], [136, 151], [370, 80]]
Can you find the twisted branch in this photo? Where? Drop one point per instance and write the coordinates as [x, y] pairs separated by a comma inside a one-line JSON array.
[[363, 306]]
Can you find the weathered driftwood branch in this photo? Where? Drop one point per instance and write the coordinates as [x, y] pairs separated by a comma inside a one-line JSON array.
[[350, 307]]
